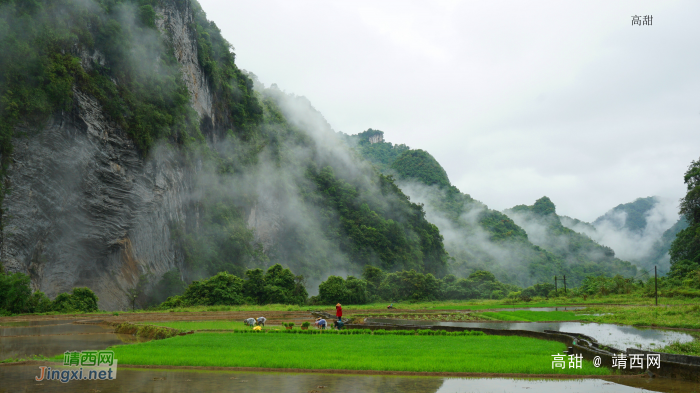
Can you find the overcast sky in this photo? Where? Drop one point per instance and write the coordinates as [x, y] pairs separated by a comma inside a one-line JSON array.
[[516, 99]]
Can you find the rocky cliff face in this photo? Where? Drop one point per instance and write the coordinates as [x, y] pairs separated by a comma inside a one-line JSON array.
[[85, 207]]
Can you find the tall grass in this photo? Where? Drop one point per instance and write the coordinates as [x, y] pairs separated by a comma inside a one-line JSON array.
[[421, 353]]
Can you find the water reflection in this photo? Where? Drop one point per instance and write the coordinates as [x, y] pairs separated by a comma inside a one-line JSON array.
[[36, 323], [21, 378], [621, 337], [49, 346], [53, 329]]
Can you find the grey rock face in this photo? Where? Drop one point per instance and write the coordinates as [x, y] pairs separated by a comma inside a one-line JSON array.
[[85, 209], [175, 22]]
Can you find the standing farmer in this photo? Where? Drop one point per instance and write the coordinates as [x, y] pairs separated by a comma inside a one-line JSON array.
[[338, 311]]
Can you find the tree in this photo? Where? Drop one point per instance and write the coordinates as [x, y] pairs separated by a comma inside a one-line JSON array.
[[685, 249], [254, 286], [14, 292]]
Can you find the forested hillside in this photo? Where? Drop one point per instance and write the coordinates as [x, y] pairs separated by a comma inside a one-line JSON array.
[[178, 161], [582, 255], [685, 249], [475, 236], [640, 231]]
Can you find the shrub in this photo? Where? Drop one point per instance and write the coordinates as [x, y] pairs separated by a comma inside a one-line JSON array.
[[79, 300], [14, 293]]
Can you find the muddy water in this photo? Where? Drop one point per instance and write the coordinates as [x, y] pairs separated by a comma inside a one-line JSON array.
[[620, 337], [48, 330], [21, 379], [54, 339], [36, 323], [23, 347]]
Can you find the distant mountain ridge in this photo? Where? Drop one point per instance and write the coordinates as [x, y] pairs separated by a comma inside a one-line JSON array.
[[475, 236], [580, 252], [640, 231]]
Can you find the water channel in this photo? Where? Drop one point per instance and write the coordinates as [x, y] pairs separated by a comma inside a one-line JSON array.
[[621, 337]]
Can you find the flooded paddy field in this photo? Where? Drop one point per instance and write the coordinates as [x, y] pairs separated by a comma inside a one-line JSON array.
[[617, 336], [20, 378], [54, 337]]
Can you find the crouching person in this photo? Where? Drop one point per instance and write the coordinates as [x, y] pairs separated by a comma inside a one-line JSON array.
[[322, 324], [249, 322], [338, 324], [261, 321]]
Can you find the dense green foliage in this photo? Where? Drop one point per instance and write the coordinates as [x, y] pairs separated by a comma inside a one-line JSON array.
[[409, 285], [420, 166], [369, 232], [40, 68], [79, 300], [382, 155], [16, 297], [344, 291], [221, 289], [424, 353], [171, 284], [277, 285], [14, 293], [685, 249]]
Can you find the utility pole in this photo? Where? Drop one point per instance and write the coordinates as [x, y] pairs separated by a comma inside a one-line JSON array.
[[656, 292], [555, 284], [565, 284]]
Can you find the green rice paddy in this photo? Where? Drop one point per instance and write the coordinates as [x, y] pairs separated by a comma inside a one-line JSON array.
[[204, 325], [533, 316], [418, 353]]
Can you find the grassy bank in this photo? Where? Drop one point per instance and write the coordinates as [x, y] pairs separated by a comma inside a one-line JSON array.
[[690, 348], [492, 354], [685, 316], [533, 316]]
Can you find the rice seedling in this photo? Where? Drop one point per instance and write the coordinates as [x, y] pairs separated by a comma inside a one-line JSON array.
[[427, 351]]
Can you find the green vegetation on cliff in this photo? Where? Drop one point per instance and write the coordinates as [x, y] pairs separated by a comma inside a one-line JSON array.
[[16, 297], [634, 213], [263, 150], [477, 237], [582, 256], [685, 249]]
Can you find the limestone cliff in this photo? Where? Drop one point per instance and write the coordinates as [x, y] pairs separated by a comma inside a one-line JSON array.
[[85, 208]]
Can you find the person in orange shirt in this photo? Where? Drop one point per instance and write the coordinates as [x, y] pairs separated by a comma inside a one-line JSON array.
[[338, 311]]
